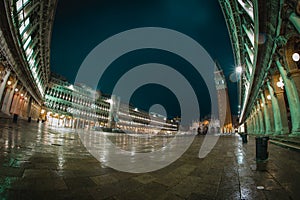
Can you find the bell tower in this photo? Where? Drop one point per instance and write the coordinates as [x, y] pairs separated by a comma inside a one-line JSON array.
[[225, 116]]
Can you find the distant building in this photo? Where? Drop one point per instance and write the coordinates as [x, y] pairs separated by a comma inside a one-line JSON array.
[[78, 106]]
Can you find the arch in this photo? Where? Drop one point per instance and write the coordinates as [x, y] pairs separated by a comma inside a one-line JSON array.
[[292, 46]]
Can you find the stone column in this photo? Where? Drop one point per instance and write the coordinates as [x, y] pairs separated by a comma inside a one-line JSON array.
[[268, 108], [29, 108], [260, 118], [8, 100], [266, 114], [250, 124], [256, 120], [72, 123], [293, 98], [253, 121], [294, 75], [16, 103], [5, 100], [279, 110], [3, 84]]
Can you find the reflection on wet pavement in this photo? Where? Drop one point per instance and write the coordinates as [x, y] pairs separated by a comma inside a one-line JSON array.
[[38, 162]]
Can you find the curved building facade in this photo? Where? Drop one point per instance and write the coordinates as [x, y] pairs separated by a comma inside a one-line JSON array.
[[25, 34], [265, 38]]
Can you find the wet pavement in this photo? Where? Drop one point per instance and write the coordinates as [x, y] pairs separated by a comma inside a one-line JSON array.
[[39, 162]]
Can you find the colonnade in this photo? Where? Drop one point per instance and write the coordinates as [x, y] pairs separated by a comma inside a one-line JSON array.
[[14, 98], [277, 107]]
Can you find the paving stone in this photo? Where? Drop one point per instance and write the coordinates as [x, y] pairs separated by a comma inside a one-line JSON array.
[[11, 171], [169, 196], [145, 178], [104, 179], [228, 194], [136, 194], [153, 190], [80, 182], [37, 173]]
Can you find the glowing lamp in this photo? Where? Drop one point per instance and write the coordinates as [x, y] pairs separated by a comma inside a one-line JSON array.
[[296, 57], [280, 83], [239, 69]]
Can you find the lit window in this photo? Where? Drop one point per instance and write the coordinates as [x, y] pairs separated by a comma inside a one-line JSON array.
[[22, 27], [19, 5], [29, 52], [27, 22], [27, 42], [21, 16]]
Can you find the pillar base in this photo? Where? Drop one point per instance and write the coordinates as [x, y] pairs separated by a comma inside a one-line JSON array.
[[295, 134], [270, 133]]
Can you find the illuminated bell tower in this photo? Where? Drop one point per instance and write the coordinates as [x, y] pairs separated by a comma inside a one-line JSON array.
[[225, 117]]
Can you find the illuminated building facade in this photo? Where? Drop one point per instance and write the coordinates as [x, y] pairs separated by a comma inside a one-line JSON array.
[[74, 106], [78, 106], [265, 37], [25, 32]]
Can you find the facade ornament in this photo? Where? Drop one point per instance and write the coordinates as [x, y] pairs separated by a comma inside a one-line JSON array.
[[281, 41]]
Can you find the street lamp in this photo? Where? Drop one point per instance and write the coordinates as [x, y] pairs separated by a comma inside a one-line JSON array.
[[269, 97], [8, 83], [296, 57]]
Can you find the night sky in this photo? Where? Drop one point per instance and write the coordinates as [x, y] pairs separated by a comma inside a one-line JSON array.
[[81, 25]]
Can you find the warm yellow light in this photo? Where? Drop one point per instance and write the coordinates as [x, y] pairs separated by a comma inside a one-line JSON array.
[[269, 97], [42, 111], [22, 95], [262, 105], [16, 90], [280, 83], [8, 82]]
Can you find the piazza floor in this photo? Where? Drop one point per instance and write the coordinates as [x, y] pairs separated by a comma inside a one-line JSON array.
[[37, 162]]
